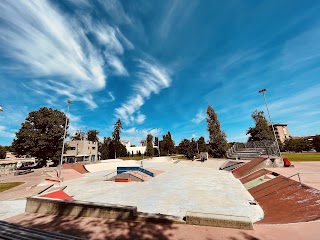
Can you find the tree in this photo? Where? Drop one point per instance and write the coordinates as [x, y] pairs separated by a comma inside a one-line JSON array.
[[217, 139], [105, 148], [297, 145], [41, 135], [188, 148], [261, 131], [149, 149], [202, 146], [118, 149], [167, 144], [2, 152], [93, 136], [316, 143], [78, 136]]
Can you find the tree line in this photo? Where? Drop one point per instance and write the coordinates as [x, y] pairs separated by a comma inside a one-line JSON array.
[[41, 136]]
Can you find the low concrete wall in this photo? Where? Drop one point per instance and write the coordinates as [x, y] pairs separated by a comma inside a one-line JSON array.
[[79, 208], [217, 220]]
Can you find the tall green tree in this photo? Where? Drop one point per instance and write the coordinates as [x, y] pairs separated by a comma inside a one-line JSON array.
[[188, 148], [316, 143], [261, 130], [93, 136], [117, 149], [79, 135], [41, 135], [167, 145], [2, 152], [297, 145], [149, 150], [202, 146], [217, 138], [105, 149]]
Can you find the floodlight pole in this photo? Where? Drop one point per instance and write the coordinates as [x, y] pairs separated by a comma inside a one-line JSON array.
[[274, 134], [64, 137], [158, 142]]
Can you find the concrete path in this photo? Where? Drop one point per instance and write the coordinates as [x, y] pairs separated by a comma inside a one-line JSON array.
[[97, 228], [311, 170]]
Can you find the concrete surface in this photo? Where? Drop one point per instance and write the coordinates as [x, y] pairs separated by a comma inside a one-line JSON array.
[[312, 170], [12, 208], [98, 228], [185, 186]]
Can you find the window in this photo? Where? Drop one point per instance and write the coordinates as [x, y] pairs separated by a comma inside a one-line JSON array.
[[72, 148], [93, 148]]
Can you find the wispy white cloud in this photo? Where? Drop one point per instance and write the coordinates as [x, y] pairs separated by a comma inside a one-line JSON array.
[[199, 117], [51, 44], [4, 132], [115, 9], [152, 79], [135, 135]]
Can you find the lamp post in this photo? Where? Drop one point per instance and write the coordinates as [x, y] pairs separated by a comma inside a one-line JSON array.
[[158, 142], [64, 136], [1, 109], [274, 134]]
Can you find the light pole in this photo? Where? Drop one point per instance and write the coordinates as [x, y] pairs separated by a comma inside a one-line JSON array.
[[64, 136], [1, 109], [274, 134], [158, 142]]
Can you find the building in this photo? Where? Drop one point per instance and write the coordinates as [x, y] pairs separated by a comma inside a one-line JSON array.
[[81, 151], [281, 131], [136, 150]]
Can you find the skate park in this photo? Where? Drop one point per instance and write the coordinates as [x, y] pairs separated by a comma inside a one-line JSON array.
[[190, 193]]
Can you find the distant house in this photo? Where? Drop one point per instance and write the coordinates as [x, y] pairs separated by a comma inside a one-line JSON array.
[[81, 151], [136, 150]]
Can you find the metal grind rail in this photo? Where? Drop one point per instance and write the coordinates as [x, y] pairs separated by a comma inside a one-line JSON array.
[[107, 176]]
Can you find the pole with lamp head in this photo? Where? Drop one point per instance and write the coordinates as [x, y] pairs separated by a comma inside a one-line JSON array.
[[274, 134], [158, 142], [64, 137], [1, 109]]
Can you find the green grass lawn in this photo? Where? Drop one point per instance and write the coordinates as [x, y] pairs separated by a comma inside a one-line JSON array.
[[301, 157], [9, 185]]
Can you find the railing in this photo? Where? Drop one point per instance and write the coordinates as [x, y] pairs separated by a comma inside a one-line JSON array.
[[107, 176]]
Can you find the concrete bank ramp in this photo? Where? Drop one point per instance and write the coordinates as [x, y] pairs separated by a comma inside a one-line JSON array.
[[252, 166], [286, 201], [218, 220], [79, 167]]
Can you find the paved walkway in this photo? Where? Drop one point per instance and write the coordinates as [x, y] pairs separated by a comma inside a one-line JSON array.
[[311, 170], [97, 228]]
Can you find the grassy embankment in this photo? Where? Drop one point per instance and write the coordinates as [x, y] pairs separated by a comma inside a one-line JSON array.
[[9, 185], [301, 157]]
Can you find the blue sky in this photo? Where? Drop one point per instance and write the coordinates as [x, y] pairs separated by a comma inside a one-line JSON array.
[[158, 64]]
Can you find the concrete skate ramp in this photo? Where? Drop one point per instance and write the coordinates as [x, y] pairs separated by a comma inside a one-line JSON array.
[[230, 165], [286, 201], [67, 174], [79, 167], [255, 175], [249, 167], [161, 159], [59, 194], [112, 164]]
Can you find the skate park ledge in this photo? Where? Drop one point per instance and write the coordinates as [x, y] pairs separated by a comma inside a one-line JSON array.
[[77, 208], [218, 220]]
